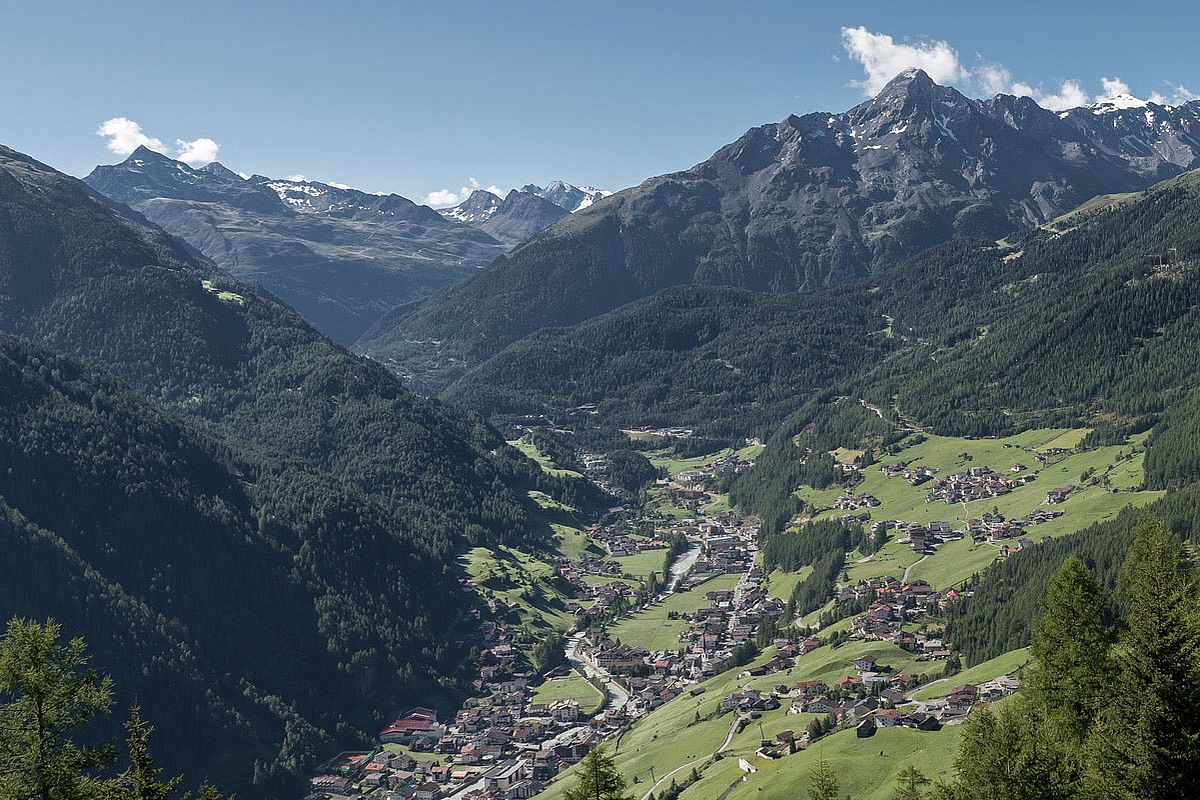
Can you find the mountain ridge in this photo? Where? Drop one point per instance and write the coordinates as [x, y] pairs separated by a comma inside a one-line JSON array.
[[797, 204], [340, 256]]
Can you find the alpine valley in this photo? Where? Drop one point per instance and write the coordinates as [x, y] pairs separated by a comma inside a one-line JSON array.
[[861, 459]]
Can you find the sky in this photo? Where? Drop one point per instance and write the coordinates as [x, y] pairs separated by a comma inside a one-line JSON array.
[[432, 99]]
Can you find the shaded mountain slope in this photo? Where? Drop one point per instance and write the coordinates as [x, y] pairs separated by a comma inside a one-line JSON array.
[[795, 205]]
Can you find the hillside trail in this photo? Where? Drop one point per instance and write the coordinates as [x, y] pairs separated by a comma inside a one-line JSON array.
[[728, 739], [908, 569]]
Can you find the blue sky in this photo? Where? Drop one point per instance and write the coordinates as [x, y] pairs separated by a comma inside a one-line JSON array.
[[419, 98]]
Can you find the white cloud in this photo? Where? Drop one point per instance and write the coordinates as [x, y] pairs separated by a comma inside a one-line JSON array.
[[297, 178], [883, 58], [1114, 86], [337, 185], [124, 136], [444, 198], [994, 79], [1178, 95], [197, 152], [1069, 95]]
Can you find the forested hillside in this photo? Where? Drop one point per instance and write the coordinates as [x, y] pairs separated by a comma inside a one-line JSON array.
[[1081, 327], [728, 361], [252, 606], [273, 516]]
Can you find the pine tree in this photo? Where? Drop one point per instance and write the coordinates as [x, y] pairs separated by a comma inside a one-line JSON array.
[[823, 782], [47, 692], [1070, 647], [143, 779], [1147, 743], [1007, 756], [598, 779], [912, 784]]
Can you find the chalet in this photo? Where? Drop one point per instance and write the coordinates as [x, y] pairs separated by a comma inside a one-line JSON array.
[[919, 720], [427, 791], [887, 718], [565, 710], [864, 663], [1056, 496], [961, 699], [822, 705]]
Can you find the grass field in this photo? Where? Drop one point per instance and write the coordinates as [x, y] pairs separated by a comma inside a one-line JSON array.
[[640, 565], [829, 665], [867, 769], [650, 628], [781, 584], [516, 576], [435, 758], [549, 466], [957, 561], [672, 740], [673, 465], [570, 687], [1005, 664]]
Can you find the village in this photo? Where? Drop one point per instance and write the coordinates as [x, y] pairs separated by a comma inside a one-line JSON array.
[[505, 743], [977, 483]]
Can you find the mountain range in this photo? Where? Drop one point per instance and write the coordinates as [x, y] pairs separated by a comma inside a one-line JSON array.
[[339, 256], [512, 219], [791, 206], [523, 212]]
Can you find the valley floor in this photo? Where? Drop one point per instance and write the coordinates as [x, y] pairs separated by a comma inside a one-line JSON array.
[[673, 683]]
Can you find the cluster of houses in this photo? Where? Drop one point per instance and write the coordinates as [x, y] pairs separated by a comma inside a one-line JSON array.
[[990, 527], [853, 502], [997, 530], [595, 467], [892, 603], [691, 488], [707, 643], [666, 433], [502, 746], [977, 483], [871, 700], [914, 475]]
